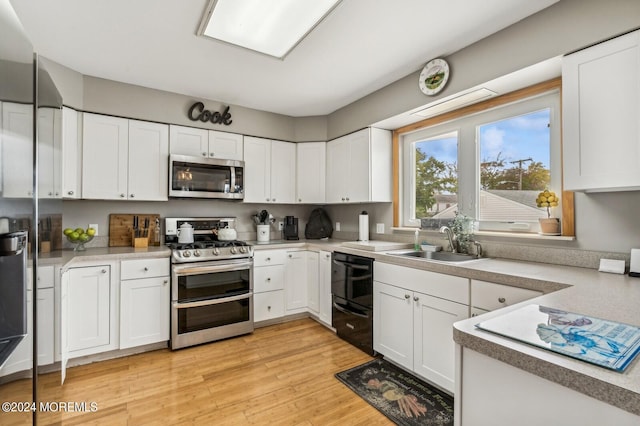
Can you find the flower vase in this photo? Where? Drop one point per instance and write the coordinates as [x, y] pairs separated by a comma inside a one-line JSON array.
[[550, 226]]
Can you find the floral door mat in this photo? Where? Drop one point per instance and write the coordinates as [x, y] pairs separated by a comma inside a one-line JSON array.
[[403, 398]]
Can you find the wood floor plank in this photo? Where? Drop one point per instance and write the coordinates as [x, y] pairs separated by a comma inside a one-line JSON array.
[[278, 375]]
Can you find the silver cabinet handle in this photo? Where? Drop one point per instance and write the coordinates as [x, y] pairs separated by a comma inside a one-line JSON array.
[[165, 282], [133, 195], [211, 154], [273, 199], [70, 192], [416, 298], [268, 308], [407, 296], [501, 299], [299, 200], [204, 154], [267, 200], [146, 269], [347, 198], [268, 259], [290, 256], [104, 271], [122, 196], [342, 198], [268, 280], [50, 194]]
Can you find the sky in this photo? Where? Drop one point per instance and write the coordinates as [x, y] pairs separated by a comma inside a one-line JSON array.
[[521, 137]]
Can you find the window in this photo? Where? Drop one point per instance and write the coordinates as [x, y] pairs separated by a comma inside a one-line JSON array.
[[490, 166]]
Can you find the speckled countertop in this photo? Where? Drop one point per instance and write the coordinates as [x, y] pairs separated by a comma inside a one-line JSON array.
[[580, 290]]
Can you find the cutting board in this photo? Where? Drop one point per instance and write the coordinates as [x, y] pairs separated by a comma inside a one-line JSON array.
[[121, 227], [376, 245]]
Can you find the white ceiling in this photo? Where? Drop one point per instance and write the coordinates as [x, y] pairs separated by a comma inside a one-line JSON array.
[[362, 46]]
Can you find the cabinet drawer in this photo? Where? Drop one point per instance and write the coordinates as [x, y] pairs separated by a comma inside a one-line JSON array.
[[268, 278], [492, 296], [269, 257], [268, 305], [45, 276], [144, 268]]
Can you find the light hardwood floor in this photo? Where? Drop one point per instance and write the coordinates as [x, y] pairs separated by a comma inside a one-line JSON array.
[[281, 374]]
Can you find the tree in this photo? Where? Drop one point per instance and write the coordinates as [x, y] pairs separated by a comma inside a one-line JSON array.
[[432, 177], [494, 174]]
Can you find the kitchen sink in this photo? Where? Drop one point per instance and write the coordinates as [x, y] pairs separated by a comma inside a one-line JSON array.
[[440, 256]]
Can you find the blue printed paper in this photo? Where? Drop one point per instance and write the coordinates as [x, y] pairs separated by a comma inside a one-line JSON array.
[[606, 343]]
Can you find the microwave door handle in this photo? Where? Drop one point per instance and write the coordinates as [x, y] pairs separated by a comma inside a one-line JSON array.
[[348, 311], [232, 183]]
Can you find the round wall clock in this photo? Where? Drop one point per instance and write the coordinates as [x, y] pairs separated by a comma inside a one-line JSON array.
[[434, 77]]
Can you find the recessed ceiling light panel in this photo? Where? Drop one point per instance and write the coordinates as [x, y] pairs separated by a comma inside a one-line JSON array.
[[272, 27]]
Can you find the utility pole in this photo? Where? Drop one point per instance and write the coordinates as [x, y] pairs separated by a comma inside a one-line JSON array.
[[520, 170]]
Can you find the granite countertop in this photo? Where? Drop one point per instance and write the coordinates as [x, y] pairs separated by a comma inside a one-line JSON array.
[[585, 291]]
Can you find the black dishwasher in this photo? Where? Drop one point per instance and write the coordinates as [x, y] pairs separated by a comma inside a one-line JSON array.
[[352, 296]]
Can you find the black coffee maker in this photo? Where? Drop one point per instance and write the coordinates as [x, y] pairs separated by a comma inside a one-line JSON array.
[[290, 228]]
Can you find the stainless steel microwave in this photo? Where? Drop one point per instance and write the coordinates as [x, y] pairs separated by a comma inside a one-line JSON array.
[[197, 177]]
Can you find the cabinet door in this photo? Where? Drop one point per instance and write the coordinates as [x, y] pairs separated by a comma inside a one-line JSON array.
[[148, 161], [359, 167], [17, 150], [105, 149], [295, 281], [45, 326], [46, 151], [337, 170], [71, 154], [434, 348], [313, 289], [283, 172], [144, 311], [88, 307], [601, 139], [189, 141], [324, 274], [311, 172], [257, 170], [229, 146], [393, 323]]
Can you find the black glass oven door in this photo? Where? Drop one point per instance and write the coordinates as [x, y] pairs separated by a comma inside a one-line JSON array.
[[204, 282], [205, 315]]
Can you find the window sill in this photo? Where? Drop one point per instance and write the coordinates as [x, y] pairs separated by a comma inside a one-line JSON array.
[[514, 235]]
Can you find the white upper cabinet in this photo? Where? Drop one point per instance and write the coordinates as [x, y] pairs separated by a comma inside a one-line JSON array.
[[124, 159], [270, 169], [72, 154], [311, 172], [206, 143], [17, 150], [601, 112], [49, 146], [359, 167], [148, 166]]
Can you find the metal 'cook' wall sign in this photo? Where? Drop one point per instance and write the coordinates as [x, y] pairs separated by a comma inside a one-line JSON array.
[[198, 113]]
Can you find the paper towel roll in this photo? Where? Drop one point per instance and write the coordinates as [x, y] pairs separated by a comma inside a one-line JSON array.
[[364, 227]]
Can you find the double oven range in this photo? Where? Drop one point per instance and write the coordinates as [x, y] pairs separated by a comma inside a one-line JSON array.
[[211, 283]]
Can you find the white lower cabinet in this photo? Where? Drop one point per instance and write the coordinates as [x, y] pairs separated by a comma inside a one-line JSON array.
[[268, 284], [313, 289], [295, 282], [144, 302], [324, 284], [414, 312], [487, 296]]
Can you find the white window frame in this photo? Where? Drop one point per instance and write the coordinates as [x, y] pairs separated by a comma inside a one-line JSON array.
[[469, 159]]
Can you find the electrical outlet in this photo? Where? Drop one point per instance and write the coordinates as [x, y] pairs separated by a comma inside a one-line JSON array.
[[337, 226], [94, 226], [280, 226], [380, 228]]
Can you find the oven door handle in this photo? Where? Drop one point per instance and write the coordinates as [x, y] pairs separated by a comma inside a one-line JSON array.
[[348, 311], [204, 269], [209, 302]]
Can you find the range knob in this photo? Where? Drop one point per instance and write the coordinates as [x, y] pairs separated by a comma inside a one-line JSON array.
[[186, 253], [196, 253], [216, 251], [233, 250], [243, 250]]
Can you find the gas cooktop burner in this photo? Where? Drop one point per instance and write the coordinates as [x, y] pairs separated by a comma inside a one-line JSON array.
[[206, 245]]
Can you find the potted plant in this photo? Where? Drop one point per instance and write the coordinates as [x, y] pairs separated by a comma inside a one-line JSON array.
[[550, 225]]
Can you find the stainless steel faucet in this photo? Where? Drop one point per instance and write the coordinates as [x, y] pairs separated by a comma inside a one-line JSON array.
[[450, 236]]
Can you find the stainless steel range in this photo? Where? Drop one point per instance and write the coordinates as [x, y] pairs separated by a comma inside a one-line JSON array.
[[211, 282]]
